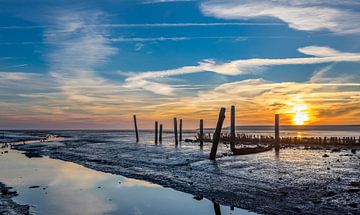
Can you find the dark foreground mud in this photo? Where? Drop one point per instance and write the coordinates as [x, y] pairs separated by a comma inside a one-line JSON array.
[[297, 180], [7, 205]]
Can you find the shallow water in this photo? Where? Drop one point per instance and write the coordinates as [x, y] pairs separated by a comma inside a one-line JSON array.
[[68, 188]]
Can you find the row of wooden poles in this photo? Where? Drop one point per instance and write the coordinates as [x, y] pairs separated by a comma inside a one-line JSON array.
[[159, 130], [216, 135]]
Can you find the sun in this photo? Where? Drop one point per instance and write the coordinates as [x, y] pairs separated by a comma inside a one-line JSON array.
[[301, 114], [300, 118]]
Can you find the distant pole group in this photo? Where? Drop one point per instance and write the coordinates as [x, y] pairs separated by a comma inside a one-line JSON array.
[[216, 135]]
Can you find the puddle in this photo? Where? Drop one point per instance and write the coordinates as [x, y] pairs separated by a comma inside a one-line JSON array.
[[58, 187]]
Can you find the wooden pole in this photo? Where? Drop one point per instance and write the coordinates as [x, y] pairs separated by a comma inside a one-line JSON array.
[[156, 132], [180, 128], [160, 133], [201, 134], [217, 209], [277, 131], [175, 131], [232, 128], [136, 129], [216, 136]]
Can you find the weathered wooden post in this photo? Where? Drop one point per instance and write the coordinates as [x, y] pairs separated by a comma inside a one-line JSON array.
[[136, 129], [201, 133], [217, 209], [216, 136], [156, 132], [180, 128], [277, 132], [175, 131], [232, 128], [160, 133]]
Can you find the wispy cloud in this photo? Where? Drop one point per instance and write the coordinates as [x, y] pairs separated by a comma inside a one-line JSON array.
[[307, 15], [149, 25], [247, 66], [260, 99], [164, 1], [13, 66], [16, 76], [149, 39], [78, 48]]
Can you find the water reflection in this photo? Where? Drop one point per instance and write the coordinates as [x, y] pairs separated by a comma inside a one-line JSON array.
[[68, 188]]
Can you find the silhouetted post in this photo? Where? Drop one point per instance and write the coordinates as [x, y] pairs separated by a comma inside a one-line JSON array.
[[180, 128], [277, 132], [216, 137], [217, 208], [232, 128], [160, 134], [175, 131], [156, 132], [201, 138], [136, 129]]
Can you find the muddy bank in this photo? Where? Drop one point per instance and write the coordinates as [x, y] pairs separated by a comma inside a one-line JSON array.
[[7, 205], [292, 182]]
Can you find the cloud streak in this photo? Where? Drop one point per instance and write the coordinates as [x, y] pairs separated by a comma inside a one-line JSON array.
[[150, 39], [319, 55], [306, 15]]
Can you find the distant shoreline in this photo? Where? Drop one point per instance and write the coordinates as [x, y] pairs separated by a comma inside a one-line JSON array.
[[244, 127]]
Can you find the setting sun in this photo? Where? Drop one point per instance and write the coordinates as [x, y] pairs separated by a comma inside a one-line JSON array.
[[301, 114]]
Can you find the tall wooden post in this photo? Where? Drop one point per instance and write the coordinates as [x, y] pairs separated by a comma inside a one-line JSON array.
[[232, 128], [136, 129], [156, 132], [201, 133], [217, 209], [180, 128], [277, 131], [175, 131], [216, 137], [160, 133]]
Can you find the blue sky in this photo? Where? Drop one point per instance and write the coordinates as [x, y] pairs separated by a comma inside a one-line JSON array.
[[92, 64]]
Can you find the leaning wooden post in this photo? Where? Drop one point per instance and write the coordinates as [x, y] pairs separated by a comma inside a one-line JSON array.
[[180, 129], [232, 128], [136, 129], [201, 134], [216, 136], [156, 132], [175, 131], [160, 133], [277, 132]]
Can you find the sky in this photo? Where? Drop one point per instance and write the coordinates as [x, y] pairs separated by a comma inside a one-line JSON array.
[[93, 64]]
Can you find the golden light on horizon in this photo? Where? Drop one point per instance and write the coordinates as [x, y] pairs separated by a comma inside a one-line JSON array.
[[301, 114]]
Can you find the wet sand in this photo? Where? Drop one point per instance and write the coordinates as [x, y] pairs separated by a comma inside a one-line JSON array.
[[295, 181]]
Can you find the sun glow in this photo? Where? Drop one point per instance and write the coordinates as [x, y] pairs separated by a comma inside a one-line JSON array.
[[301, 114]]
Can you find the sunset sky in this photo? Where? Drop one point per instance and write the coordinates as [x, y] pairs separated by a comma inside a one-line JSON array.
[[93, 64]]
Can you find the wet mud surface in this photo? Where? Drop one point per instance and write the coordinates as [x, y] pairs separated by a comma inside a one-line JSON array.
[[7, 205], [296, 180]]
